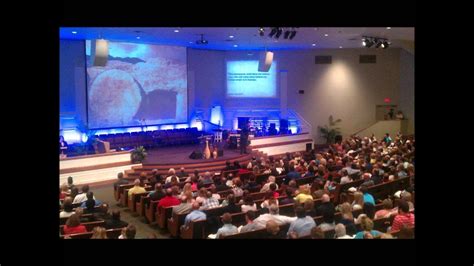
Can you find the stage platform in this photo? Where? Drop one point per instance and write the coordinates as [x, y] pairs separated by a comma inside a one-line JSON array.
[[176, 157], [180, 155]]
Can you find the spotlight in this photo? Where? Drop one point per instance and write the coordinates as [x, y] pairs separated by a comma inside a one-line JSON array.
[[279, 32], [367, 42], [379, 43], [287, 34], [261, 31], [384, 45], [292, 34], [272, 32]]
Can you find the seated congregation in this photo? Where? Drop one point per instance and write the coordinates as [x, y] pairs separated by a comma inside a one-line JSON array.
[[359, 188]]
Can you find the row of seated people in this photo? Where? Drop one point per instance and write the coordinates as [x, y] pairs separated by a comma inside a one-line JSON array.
[[155, 138], [246, 204], [300, 226], [234, 185]]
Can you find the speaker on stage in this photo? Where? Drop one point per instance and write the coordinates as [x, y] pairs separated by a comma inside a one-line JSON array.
[[195, 155], [265, 62]]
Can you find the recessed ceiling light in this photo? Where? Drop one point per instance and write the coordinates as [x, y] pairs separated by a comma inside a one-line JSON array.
[[340, 46], [313, 44], [235, 45], [176, 30], [231, 36], [74, 32], [388, 28], [138, 37], [326, 35], [190, 42]]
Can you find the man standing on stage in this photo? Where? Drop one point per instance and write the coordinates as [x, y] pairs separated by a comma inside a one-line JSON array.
[[244, 136]]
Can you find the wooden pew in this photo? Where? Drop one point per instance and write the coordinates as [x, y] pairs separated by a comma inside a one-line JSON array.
[[175, 222], [111, 234], [195, 230], [63, 220], [118, 193], [162, 216], [132, 203], [89, 226], [396, 234], [150, 211], [256, 234]]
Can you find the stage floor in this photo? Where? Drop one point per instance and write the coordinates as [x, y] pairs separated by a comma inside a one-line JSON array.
[[180, 155]]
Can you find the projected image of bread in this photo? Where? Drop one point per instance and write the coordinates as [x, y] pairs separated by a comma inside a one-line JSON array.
[[114, 98]]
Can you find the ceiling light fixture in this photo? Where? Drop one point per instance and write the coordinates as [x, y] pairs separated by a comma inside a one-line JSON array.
[[74, 32], [261, 31], [378, 42], [202, 40]]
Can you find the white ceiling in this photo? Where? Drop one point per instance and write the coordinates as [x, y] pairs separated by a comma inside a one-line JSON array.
[[246, 38]]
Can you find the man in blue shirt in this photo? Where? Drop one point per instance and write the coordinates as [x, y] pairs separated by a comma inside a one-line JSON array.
[[303, 224], [194, 215], [228, 228], [367, 197], [292, 174]]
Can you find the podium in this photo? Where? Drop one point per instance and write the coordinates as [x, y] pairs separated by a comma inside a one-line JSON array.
[[103, 146]]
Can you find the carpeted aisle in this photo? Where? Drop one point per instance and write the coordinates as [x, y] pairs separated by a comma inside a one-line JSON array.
[[106, 194]]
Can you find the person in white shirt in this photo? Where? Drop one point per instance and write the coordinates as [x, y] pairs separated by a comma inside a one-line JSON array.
[[248, 204], [341, 232], [345, 177], [67, 208], [171, 173], [262, 220], [83, 196], [266, 187]]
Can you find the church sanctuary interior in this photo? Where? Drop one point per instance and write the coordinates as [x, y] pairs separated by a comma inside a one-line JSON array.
[[237, 133]]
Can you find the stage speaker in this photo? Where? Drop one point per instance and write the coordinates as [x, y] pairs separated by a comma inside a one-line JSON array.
[[265, 62], [283, 126], [220, 153], [309, 147], [195, 155], [99, 52]]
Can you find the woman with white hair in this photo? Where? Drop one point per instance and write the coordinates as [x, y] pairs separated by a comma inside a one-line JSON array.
[[171, 173], [341, 232], [271, 179]]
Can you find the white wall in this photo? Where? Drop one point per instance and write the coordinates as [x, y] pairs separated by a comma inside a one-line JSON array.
[[344, 89], [407, 88]]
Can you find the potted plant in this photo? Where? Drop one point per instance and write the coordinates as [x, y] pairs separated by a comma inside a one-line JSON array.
[[138, 155], [329, 132]]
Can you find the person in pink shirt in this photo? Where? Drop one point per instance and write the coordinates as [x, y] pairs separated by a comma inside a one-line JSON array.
[[404, 217]]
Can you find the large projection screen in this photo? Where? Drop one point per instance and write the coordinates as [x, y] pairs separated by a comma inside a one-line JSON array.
[[141, 84]]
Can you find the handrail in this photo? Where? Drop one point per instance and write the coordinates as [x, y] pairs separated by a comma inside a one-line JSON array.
[[367, 127], [301, 118]]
